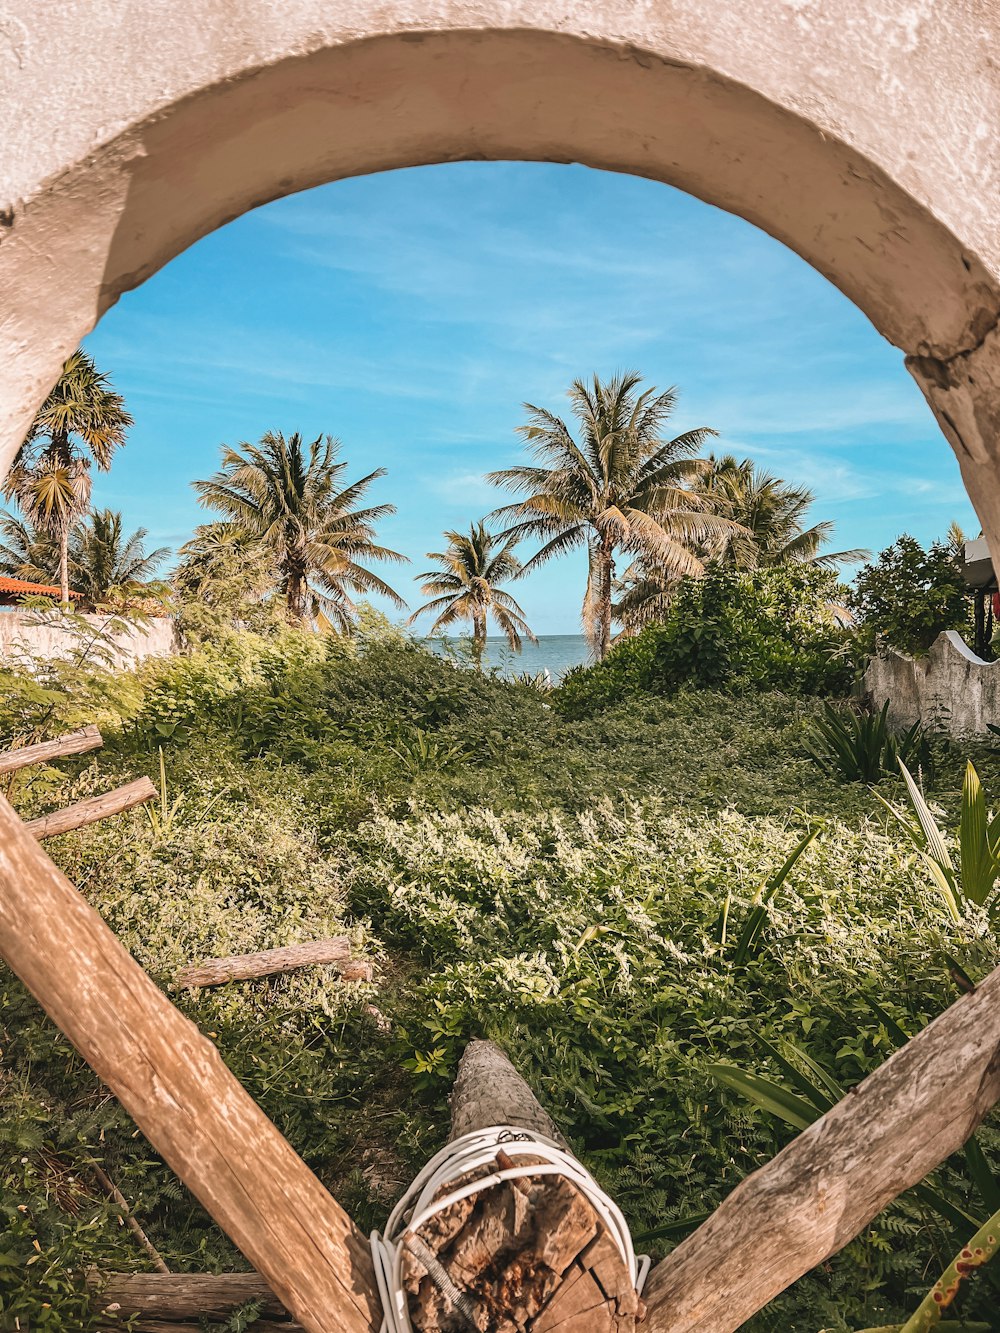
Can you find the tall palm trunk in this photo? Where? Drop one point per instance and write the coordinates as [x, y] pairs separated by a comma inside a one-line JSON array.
[[64, 564], [297, 587], [605, 585], [478, 637]]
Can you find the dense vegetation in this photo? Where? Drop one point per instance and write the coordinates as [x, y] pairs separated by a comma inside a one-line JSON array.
[[552, 881]]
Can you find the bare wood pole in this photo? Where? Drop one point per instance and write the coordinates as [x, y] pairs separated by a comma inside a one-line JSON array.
[[826, 1186], [336, 951], [127, 1216], [176, 1087], [74, 742], [92, 809], [528, 1254], [182, 1296]]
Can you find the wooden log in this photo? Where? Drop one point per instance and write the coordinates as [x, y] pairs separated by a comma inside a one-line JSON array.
[[807, 1203], [92, 809], [528, 1254], [335, 952], [170, 1326], [180, 1296], [488, 1091], [74, 742], [176, 1087]]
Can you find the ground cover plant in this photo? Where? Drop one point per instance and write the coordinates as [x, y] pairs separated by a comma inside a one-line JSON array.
[[627, 900]]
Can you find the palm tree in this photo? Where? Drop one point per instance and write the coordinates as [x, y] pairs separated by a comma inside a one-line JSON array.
[[622, 487], [82, 419], [27, 552], [466, 586], [105, 562], [772, 518], [644, 594], [222, 567], [285, 494]]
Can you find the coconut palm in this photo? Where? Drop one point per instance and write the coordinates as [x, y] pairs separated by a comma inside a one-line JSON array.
[[27, 552], [623, 486], [83, 419], [771, 514], [222, 567], [466, 586], [644, 593], [287, 495], [105, 563]]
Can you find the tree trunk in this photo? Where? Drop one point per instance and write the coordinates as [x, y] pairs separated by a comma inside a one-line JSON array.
[[335, 952], [64, 564], [605, 584], [92, 809], [74, 742], [523, 1254], [478, 638]]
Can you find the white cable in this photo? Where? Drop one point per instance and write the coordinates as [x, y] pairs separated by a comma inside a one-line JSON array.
[[469, 1153]]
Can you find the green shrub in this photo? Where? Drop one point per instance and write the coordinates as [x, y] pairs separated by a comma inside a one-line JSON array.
[[908, 596], [858, 745], [770, 629]]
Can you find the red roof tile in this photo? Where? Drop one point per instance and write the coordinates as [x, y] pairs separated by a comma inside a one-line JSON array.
[[23, 588]]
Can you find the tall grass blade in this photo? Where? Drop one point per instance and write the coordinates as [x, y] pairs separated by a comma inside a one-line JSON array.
[[746, 945]]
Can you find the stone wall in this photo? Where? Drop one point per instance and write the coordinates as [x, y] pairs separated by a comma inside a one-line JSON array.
[[950, 687], [29, 633]]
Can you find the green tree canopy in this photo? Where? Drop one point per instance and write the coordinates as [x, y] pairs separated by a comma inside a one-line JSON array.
[[291, 498], [465, 586], [621, 486]]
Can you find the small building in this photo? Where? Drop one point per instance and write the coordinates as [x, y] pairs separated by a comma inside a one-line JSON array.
[[13, 590]]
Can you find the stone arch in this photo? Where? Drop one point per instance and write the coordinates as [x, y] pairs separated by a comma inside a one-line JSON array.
[[865, 142]]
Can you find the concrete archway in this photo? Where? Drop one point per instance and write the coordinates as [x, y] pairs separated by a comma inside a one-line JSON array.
[[863, 136]]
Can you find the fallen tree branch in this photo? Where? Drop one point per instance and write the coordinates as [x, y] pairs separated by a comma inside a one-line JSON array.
[[116, 1196], [183, 1296], [258, 1326], [74, 742], [91, 810], [886, 1135], [335, 952]]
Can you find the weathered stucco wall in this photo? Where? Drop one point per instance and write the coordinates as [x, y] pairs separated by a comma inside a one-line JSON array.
[[950, 687], [863, 133], [27, 633]]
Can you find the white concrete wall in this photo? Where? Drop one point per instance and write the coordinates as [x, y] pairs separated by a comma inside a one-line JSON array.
[[951, 687], [42, 636]]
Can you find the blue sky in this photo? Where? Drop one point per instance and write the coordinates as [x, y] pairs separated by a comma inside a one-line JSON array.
[[411, 313]]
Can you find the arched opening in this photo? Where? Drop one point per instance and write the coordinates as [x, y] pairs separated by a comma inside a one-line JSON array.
[[257, 128], [312, 111]]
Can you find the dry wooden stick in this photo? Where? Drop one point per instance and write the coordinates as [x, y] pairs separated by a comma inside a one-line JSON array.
[[91, 810], [180, 1296], [826, 1186], [335, 951], [258, 1326], [115, 1194], [74, 742], [176, 1087]]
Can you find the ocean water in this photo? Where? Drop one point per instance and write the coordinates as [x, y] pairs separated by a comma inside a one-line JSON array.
[[554, 653]]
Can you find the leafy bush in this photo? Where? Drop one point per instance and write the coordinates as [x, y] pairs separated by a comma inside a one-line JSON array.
[[858, 745], [770, 629], [908, 596], [623, 901]]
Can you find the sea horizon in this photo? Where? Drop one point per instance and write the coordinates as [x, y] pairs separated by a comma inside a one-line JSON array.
[[553, 653]]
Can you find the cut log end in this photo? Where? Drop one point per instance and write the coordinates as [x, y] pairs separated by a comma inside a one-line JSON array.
[[525, 1256], [529, 1255]]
